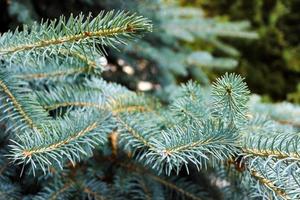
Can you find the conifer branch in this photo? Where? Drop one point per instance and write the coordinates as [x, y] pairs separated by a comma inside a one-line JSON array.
[[29, 153], [271, 153], [180, 186], [269, 184], [24, 109], [88, 97], [67, 39], [68, 138], [146, 190], [193, 143], [74, 104], [55, 74], [70, 64], [91, 193], [173, 187], [137, 135], [230, 96], [60, 36], [90, 63], [115, 111], [280, 146], [60, 111], [284, 122], [9, 190], [65, 187], [87, 186], [94, 188], [17, 105]]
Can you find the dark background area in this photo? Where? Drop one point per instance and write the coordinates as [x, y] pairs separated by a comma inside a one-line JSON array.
[[270, 64]]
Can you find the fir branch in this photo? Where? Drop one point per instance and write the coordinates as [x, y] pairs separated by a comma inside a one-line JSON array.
[[72, 183], [23, 107], [91, 64], [275, 159], [260, 125], [62, 190], [192, 143], [271, 153], [105, 29], [54, 73], [280, 146], [189, 104], [68, 138], [108, 89], [17, 105], [131, 102], [230, 96], [71, 95], [79, 96], [148, 195], [269, 184], [57, 189], [62, 67], [278, 179], [180, 186], [132, 134], [284, 113], [124, 107], [93, 194], [8, 190], [93, 189], [118, 105], [74, 104], [115, 107], [6, 168], [296, 124], [174, 187], [52, 147]]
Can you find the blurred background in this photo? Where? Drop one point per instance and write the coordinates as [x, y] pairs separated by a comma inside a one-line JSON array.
[[192, 39]]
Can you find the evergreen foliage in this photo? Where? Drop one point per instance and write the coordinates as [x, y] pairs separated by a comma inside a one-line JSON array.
[[69, 134], [168, 50]]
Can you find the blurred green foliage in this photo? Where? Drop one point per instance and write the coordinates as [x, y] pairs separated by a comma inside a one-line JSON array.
[[185, 44], [270, 64]]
